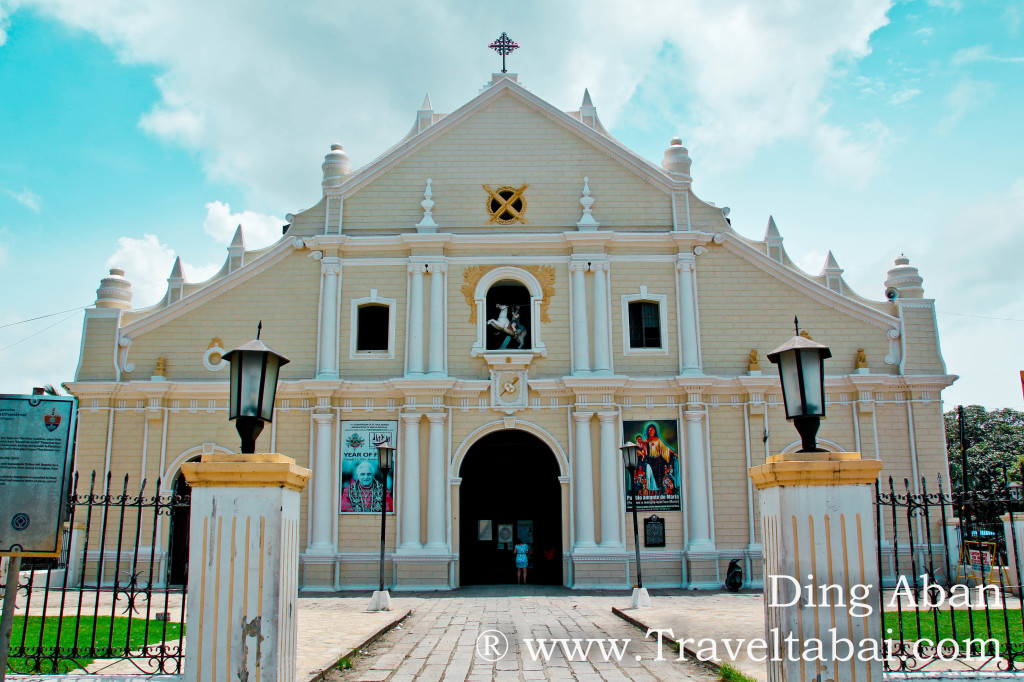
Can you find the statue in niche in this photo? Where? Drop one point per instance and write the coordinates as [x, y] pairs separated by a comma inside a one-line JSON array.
[[508, 323], [161, 367], [862, 359]]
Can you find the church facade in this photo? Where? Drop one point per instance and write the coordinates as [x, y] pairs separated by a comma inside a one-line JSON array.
[[507, 296]]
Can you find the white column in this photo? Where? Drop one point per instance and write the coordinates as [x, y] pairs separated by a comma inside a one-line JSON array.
[[611, 490], [410, 461], [321, 541], [686, 265], [584, 482], [436, 517], [697, 484], [435, 361], [580, 330], [330, 270], [602, 340], [414, 335]]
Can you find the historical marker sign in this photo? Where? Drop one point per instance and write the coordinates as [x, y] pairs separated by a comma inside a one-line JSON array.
[[37, 435], [654, 531]]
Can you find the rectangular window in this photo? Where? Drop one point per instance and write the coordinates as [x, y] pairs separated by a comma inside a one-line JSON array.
[[644, 325], [372, 328]]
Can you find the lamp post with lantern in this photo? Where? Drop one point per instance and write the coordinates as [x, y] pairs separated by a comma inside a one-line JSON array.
[[381, 599], [629, 459], [801, 364], [254, 370]]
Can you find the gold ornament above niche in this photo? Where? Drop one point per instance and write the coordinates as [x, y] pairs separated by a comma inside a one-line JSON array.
[[545, 275], [506, 205]]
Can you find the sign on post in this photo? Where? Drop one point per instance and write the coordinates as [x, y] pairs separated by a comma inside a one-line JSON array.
[[37, 435]]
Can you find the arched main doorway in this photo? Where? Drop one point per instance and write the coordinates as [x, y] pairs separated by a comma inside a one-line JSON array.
[[509, 488]]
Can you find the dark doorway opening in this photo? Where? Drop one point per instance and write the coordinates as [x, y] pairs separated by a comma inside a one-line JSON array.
[[509, 483], [516, 299], [177, 552]]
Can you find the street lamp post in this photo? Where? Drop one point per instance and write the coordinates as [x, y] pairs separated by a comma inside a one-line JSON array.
[[254, 370], [629, 457], [381, 599], [801, 364]]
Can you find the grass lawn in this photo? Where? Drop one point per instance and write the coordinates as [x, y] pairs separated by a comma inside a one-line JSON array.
[[994, 626], [90, 630]]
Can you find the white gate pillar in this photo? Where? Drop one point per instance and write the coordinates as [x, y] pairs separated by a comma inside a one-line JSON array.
[[243, 567], [818, 530]]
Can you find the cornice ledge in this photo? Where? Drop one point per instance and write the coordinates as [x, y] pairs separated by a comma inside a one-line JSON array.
[[694, 384], [691, 237], [411, 387], [611, 382], [812, 289]]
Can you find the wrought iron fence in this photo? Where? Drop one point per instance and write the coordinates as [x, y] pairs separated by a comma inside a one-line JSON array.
[[953, 597], [110, 598]]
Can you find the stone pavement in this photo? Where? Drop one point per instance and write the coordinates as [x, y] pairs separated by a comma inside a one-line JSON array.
[[447, 638]]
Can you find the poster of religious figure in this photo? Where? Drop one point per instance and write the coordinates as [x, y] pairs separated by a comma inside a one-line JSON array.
[[363, 488], [658, 474]]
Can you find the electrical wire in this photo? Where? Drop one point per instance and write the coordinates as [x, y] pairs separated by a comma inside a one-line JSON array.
[[41, 317], [41, 330], [981, 317]]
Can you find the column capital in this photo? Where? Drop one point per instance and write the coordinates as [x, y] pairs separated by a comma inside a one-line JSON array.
[[608, 416], [579, 266], [437, 417], [411, 417], [330, 265], [599, 265], [436, 267], [323, 417], [417, 268], [685, 261], [580, 417], [693, 415]]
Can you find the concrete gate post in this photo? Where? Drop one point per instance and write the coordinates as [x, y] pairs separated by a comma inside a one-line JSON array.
[[243, 567], [821, 582]]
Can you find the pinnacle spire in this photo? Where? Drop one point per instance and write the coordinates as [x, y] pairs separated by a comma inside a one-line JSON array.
[[586, 99], [772, 231], [176, 271], [426, 106], [238, 239], [830, 263]]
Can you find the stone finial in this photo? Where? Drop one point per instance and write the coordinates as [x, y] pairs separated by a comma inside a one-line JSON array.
[[115, 291], [236, 251], [427, 224], [587, 221], [905, 279], [176, 282], [425, 115], [773, 240], [336, 166], [832, 273], [677, 159]]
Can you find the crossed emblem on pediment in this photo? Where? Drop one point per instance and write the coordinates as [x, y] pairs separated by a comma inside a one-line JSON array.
[[506, 205]]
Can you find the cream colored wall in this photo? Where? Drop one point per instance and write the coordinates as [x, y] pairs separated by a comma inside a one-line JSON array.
[[390, 281], [507, 143], [659, 277], [99, 343], [232, 316]]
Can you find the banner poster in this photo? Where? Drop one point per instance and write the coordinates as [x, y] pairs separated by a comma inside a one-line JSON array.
[[37, 435], [658, 474], [363, 488]]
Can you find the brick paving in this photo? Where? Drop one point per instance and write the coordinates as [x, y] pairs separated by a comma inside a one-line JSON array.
[[439, 641]]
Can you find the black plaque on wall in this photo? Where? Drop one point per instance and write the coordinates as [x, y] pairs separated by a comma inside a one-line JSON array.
[[654, 531]]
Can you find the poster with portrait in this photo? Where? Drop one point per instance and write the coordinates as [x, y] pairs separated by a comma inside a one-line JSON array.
[[658, 474], [363, 485]]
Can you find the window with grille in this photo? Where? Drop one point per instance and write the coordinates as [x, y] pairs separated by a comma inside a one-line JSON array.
[[372, 328], [644, 325]]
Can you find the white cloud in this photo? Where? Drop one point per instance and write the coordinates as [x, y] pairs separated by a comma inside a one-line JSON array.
[[258, 230], [26, 198], [981, 53], [147, 264], [953, 5], [903, 96], [966, 95], [851, 156], [811, 262], [260, 93]]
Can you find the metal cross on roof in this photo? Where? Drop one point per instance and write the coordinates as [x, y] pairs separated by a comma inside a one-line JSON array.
[[503, 46]]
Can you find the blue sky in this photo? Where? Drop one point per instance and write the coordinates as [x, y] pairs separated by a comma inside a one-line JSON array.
[[131, 133]]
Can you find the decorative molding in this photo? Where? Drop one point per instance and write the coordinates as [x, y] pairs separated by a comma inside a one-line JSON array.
[[544, 274]]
